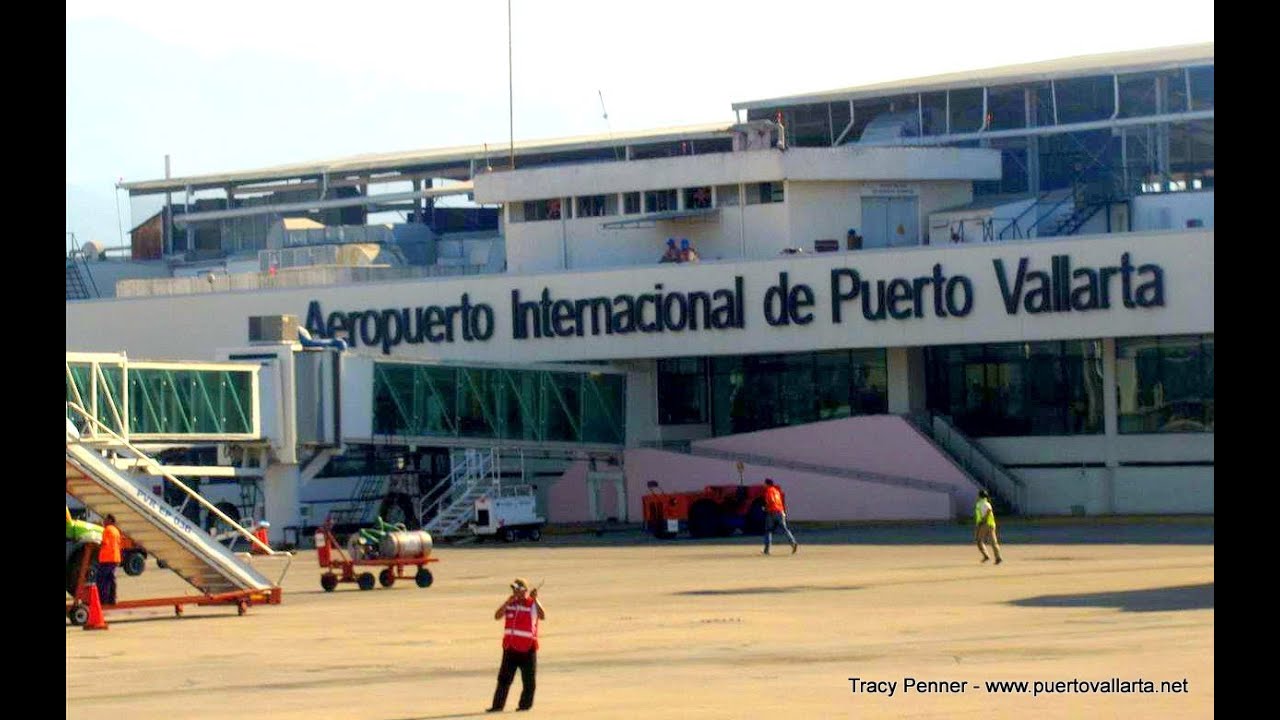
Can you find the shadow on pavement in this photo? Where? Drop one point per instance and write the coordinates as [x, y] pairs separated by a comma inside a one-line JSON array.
[[1180, 597], [770, 590]]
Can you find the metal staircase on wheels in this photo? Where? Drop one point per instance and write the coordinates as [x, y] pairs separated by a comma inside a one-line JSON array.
[[112, 477]]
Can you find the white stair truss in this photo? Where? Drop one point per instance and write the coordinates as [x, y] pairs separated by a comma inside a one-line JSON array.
[[95, 477], [453, 499]]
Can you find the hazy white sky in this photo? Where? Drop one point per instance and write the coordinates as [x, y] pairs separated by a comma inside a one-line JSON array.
[[239, 85]]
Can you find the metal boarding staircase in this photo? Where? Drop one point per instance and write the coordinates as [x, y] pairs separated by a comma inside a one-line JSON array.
[[1008, 493], [452, 500], [94, 476]]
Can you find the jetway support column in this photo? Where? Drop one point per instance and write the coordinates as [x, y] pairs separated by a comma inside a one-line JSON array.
[[281, 494]]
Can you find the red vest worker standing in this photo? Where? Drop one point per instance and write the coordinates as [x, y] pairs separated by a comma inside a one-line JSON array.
[[522, 612]]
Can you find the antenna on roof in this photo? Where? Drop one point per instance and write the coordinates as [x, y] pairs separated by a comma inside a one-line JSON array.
[[605, 112]]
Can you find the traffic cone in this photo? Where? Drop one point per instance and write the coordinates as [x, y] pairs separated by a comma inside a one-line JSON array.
[[96, 620]]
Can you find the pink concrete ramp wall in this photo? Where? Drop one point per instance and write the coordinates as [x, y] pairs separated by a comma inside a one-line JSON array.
[[810, 496], [567, 496], [884, 444]]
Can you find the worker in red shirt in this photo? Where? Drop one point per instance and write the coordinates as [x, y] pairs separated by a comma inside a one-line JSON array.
[[775, 515], [522, 612], [108, 560]]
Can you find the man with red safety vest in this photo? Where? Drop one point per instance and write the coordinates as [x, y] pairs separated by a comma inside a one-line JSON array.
[[108, 560], [775, 515], [522, 612]]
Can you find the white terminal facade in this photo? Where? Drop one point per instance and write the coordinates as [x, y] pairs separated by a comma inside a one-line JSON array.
[[1020, 259]]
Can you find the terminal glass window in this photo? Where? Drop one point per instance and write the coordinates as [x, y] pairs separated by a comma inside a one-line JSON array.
[[966, 110], [697, 197], [1006, 108], [726, 195], [659, 200], [535, 210], [597, 206], [1201, 80], [1084, 99], [631, 203], [682, 391], [765, 192], [1165, 384], [1018, 389], [758, 392], [486, 403]]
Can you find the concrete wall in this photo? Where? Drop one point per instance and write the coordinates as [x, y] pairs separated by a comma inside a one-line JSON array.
[[884, 444], [848, 163], [1124, 474], [190, 327], [1171, 211], [567, 497]]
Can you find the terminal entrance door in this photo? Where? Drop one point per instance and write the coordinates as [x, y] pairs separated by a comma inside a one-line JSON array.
[[890, 222]]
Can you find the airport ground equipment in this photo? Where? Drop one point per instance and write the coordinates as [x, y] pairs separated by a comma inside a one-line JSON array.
[[714, 511], [509, 514], [389, 547], [111, 476]]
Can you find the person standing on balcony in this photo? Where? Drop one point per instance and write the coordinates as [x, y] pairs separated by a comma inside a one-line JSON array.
[[984, 531]]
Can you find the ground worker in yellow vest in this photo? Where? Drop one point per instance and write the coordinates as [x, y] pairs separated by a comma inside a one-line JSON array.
[[522, 611], [984, 530]]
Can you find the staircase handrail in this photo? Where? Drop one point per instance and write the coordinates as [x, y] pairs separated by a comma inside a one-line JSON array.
[[990, 470], [1013, 224]]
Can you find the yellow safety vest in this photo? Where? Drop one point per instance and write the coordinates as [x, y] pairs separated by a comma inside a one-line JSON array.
[[977, 514]]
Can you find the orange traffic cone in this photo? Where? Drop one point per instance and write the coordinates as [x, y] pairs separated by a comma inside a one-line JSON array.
[[96, 621]]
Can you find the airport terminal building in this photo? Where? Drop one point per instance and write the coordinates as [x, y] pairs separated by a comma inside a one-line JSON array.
[[1000, 278]]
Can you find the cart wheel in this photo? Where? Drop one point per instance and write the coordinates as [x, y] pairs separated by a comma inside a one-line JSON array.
[[386, 577], [134, 564], [365, 581], [423, 578], [242, 607], [535, 534], [508, 535], [328, 581], [78, 614]]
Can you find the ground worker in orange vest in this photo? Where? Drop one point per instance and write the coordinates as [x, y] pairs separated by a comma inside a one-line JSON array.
[[108, 560], [775, 507], [522, 612]]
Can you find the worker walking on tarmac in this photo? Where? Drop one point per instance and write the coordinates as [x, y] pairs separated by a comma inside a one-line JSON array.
[[775, 508], [522, 612], [108, 560], [984, 530]]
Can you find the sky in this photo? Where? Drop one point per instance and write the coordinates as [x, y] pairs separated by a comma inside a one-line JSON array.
[[242, 85]]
